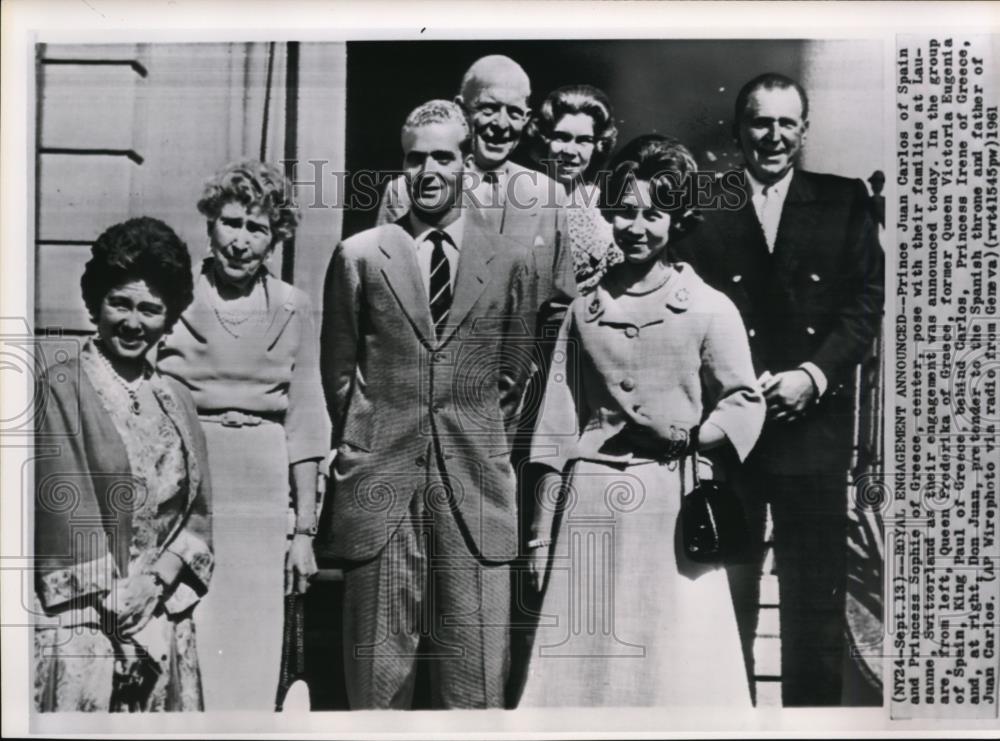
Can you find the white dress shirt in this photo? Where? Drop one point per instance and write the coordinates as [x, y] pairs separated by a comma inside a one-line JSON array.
[[425, 247], [768, 200]]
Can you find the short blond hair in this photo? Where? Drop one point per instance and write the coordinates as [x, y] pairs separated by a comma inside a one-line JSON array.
[[437, 111]]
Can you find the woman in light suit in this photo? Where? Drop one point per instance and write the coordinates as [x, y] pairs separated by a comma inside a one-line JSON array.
[[649, 370]]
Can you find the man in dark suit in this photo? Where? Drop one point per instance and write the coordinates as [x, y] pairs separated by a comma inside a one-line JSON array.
[[427, 331], [800, 258]]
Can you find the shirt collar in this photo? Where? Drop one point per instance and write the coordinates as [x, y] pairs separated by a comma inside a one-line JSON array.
[[501, 170], [779, 188], [454, 230]]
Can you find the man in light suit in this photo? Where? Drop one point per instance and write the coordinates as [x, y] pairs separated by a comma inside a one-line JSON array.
[[800, 258], [427, 330], [527, 206], [508, 199]]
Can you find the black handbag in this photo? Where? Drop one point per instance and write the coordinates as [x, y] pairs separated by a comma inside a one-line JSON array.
[[713, 523], [135, 676], [292, 682]]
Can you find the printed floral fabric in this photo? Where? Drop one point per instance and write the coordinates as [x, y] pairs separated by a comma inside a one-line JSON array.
[[590, 238], [79, 664], [75, 668], [156, 456]]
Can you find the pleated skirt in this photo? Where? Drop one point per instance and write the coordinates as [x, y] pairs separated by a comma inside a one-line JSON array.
[[627, 619]]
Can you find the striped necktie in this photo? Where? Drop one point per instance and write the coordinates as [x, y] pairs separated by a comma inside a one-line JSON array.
[[440, 282]]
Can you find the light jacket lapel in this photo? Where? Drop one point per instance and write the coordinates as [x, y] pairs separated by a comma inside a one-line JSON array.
[[172, 409], [199, 317], [521, 206], [473, 274], [402, 272], [280, 309]]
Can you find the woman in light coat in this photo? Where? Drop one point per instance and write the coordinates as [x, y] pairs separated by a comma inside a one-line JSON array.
[[122, 496], [650, 370]]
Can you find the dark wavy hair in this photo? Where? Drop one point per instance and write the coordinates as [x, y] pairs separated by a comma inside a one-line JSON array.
[[139, 249], [570, 100], [253, 184], [669, 167]]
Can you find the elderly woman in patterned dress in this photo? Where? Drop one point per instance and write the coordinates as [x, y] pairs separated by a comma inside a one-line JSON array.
[[122, 529], [573, 134], [248, 351]]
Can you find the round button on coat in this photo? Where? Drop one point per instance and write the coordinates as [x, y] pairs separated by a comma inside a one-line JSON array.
[[627, 384]]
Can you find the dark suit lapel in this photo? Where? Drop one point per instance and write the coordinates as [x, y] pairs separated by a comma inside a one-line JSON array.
[[799, 215], [742, 236], [473, 274], [402, 273]]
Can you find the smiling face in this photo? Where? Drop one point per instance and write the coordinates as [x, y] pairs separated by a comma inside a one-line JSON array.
[[771, 132], [641, 230], [432, 161], [571, 146], [497, 114], [241, 242], [131, 319]]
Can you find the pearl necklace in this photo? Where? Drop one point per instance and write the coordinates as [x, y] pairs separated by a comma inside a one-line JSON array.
[[232, 320], [132, 389]]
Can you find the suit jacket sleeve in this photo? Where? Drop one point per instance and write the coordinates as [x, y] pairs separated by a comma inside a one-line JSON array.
[[860, 313], [74, 557], [340, 335], [559, 288], [557, 429], [728, 379], [306, 427], [518, 341]]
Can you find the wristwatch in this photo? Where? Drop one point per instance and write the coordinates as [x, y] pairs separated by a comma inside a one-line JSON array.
[[539, 543], [310, 531], [681, 442], [160, 582]]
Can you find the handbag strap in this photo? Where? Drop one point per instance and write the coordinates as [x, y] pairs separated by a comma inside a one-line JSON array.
[[693, 446]]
